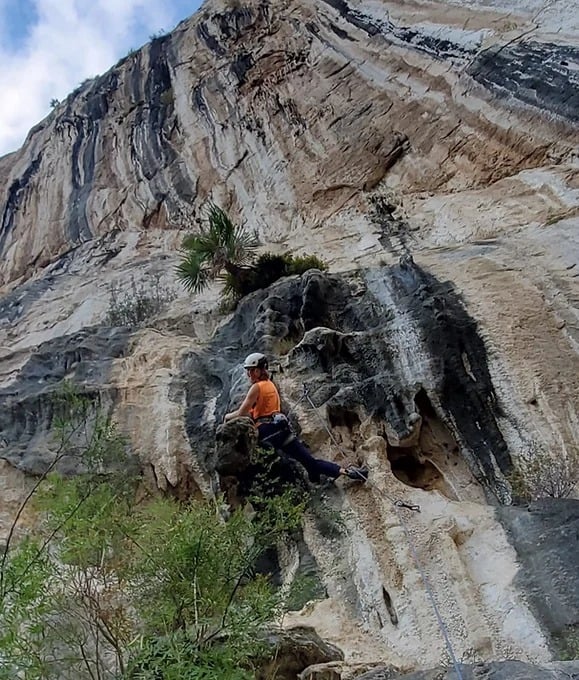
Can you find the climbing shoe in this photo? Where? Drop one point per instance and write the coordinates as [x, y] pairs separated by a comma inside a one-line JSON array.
[[360, 474], [314, 476]]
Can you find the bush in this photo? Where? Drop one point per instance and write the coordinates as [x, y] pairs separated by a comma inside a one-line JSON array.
[[108, 587], [139, 304], [544, 475], [267, 269]]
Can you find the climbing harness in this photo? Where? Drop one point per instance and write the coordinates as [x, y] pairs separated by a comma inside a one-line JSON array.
[[397, 505]]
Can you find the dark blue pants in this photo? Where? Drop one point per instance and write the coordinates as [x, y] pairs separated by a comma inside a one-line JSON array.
[[279, 436]]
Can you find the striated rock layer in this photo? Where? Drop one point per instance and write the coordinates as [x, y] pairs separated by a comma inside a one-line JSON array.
[[428, 152]]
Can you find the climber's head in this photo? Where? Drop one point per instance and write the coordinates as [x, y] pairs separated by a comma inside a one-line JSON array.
[[256, 366]]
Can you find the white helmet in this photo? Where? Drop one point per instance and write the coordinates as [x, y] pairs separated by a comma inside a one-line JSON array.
[[255, 360]]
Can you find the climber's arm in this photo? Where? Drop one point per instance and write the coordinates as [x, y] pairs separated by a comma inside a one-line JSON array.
[[246, 406]]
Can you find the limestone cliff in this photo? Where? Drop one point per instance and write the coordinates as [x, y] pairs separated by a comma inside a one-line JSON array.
[[428, 152]]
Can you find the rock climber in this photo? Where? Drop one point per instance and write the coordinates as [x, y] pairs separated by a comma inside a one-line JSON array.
[[262, 404]]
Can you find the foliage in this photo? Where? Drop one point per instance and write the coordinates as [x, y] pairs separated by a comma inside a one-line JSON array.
[[157, 35], [139, 304], [304, 588], [108, 587], [43, 599], [173, 658], [566, 644], [546, 475], [280, 505], [220, 245], [267, 269]]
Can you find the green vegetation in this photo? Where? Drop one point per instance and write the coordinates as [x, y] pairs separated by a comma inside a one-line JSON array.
[[221, 245], [138, 304], [566, 644], [546, 475], [267, 269], [224, 250], [112, 584]]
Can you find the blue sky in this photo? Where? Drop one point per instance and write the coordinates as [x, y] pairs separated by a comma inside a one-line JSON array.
[[48, 47]]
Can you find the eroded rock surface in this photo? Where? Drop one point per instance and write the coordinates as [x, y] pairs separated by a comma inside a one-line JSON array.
[[429, 154], [506, 670], [546, 538]]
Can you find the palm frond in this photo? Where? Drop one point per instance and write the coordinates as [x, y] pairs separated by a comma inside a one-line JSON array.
[[220, 224], [241, 248], [218, 245], [193, 272]]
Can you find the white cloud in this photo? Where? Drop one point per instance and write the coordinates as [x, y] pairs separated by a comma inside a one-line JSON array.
[[71, 40]]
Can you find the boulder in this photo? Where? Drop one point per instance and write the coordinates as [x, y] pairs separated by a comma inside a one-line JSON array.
[[292, 651]]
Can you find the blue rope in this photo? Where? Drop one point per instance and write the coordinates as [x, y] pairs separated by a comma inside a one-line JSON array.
[[409, 506], [430, 593]]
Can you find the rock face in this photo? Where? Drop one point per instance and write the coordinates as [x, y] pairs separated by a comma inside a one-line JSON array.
[[429, 155], [546, 536], [506, 670]]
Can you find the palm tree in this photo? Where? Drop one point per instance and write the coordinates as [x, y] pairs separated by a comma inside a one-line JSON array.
[[220, 246]]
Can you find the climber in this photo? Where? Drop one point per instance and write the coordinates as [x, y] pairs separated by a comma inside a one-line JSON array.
[[262, 404]]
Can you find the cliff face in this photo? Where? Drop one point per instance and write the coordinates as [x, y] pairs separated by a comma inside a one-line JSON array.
[[428, 153]]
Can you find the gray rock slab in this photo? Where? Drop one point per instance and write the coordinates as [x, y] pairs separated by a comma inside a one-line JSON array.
[[496, 670], [546, 538]]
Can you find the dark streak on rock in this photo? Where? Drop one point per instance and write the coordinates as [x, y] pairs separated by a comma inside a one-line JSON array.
[[16, 195], [241, 65], [210, 40], [544, 75], [83, 165], [354, 17], [94, 108], [198, 101], [340, 33], [235, 21], [14, 304], [466, 391]]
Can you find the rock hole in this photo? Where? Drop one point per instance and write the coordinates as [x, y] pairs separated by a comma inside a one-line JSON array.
[[341, 417], [408, 467], [390, 607], [420, 466]]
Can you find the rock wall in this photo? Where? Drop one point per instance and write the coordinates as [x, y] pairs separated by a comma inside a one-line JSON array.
[[428, 152]]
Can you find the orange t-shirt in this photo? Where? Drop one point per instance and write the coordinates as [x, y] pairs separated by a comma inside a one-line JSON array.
[[267, 401]]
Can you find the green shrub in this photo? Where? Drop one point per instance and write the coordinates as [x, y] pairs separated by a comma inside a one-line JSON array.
[[267, 269], [566, 644], [280, 506], [300, 264], [138, 304], [545, 475], [110, 587]]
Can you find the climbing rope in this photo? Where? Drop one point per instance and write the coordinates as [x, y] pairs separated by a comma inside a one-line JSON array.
[[397, 505], [430, 593], [306, 395]]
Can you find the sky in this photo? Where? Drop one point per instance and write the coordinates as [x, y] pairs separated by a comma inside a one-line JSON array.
[[48, 47]]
